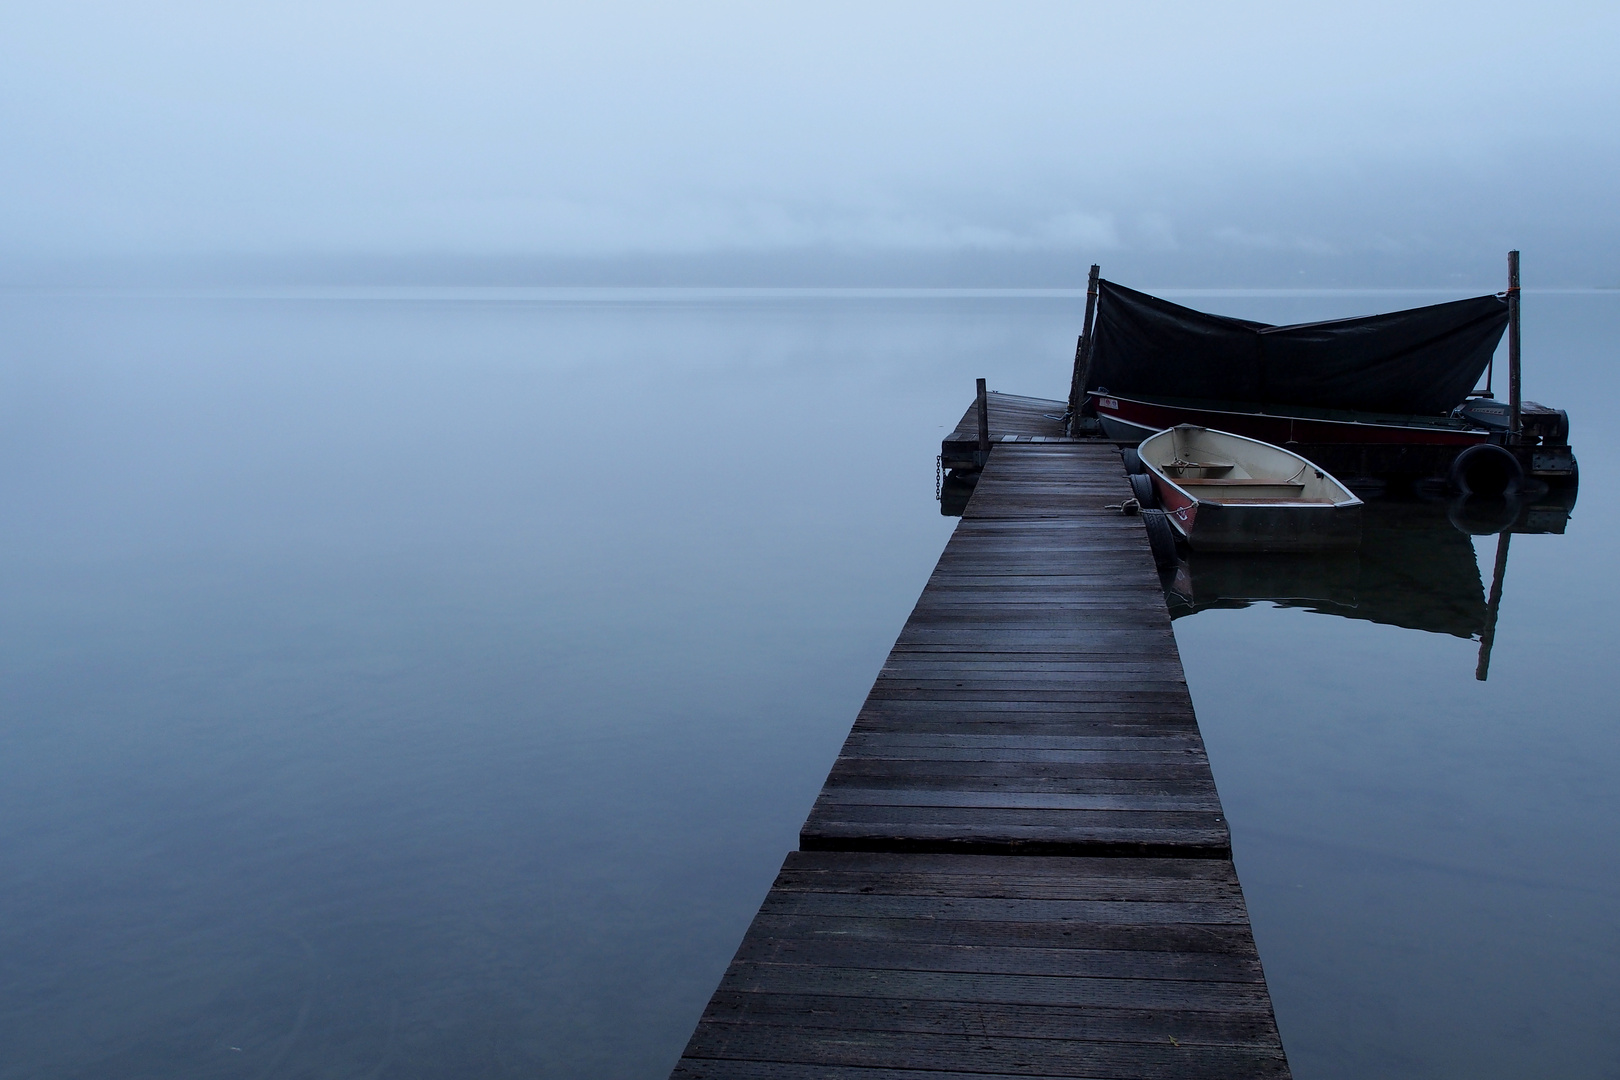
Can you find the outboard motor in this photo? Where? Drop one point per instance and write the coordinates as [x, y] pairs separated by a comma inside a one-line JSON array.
[[1485, 412]]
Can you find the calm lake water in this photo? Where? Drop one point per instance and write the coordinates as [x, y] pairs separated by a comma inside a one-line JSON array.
[[429, 683]]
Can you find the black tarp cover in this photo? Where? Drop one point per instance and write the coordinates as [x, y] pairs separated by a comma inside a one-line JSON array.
[[1422, 361]]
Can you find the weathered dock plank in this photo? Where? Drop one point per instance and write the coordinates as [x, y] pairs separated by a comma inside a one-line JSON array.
[[922, 965], [1106, 668], [1012, 416], [1018, 865]]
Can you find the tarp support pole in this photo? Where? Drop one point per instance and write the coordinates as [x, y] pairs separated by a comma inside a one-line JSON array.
[[1513, 343], [1071, 416], [1082, 352], [984, 423]]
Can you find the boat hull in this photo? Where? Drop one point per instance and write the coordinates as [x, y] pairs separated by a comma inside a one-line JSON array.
[[1266, 511], [1350, 448], [1129, 415], [1217, 527]]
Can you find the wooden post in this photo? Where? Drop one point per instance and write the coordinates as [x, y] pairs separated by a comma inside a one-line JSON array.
[[984, 425], [1082, 351], [1487, 634], [1073, 414], [1514, 425]]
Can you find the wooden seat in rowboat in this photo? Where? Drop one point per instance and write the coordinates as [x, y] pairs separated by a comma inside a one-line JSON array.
[[1180, 467], [1275, 500], [1238, 482]]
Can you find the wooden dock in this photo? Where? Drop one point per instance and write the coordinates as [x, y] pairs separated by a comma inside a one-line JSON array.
[[1018, 865], [1013, 419]]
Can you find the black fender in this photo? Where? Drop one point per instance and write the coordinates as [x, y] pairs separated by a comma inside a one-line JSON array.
[[1161, 538], [1486, 469], [1142, 488]]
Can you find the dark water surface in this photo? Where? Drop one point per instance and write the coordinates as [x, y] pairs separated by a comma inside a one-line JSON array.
[[429, 684]]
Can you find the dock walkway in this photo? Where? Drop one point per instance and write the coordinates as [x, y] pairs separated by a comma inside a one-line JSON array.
[[1013, 419], [1018, 865]]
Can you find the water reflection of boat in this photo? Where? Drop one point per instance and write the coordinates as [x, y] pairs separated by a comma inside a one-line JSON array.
[[1414, 569]]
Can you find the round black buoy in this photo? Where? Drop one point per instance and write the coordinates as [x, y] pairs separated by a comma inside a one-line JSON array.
[[1142, 488], [1486, 469], [1161, 538]]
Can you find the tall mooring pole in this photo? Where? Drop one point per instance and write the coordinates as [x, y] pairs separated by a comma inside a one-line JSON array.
[[984, 423], [1073, 413], [1082, 352], [1513, 344]]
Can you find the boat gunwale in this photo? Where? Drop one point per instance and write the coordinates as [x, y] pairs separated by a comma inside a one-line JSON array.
[[1353, 500], [1345, 417]]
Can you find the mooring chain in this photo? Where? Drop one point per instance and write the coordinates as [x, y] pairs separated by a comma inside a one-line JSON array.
[[939, 475]]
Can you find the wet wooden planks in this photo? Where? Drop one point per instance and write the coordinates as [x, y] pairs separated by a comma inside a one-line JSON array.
[[905, 965], [1012, 418], [1035, 700], [1018, 866]]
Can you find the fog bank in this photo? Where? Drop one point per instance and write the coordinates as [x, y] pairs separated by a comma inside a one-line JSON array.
[[718, 144]]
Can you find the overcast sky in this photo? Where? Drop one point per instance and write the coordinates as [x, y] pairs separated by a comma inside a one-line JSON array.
[[1419, 135]]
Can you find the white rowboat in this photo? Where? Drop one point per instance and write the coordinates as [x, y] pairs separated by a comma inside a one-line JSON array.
[[1226, 492]]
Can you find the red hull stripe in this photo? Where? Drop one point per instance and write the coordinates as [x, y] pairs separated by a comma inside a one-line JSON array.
[[1281, 430], [1180, 508]]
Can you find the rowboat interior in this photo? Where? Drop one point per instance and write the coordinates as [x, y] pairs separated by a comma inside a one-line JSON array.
[[1232, 470]]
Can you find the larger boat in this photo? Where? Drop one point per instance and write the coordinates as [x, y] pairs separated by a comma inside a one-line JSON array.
[[1379, 396]]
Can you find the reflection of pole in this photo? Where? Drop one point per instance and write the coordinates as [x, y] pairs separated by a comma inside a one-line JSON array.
[[1488, 634]]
